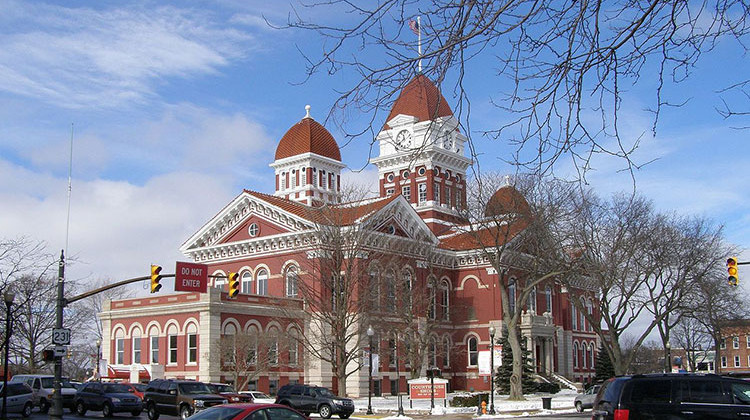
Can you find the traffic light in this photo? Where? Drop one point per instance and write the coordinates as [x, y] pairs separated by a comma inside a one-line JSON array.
[[155, 278], [734, 278], [234, 284], [48, 355]]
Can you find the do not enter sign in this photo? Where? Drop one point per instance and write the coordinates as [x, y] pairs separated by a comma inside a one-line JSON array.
[[191, 277]]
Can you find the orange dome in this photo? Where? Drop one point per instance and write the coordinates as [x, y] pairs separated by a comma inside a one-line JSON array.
[[422, 99], [308, 136], [507, 200]]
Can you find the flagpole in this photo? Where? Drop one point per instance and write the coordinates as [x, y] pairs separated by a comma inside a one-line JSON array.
[[419, 41]]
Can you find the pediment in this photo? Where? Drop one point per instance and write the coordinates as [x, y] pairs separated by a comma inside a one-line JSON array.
[[232, 223], [399, 218]]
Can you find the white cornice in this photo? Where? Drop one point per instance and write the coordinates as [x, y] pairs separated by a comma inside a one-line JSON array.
[[304, 158]]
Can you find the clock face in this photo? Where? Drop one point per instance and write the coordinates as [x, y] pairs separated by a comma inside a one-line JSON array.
[[403, 139]]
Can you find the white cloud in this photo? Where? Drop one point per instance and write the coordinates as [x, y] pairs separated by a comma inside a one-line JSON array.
[[81, 57]]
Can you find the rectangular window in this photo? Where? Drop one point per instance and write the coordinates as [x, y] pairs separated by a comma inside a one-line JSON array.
[[273, 386], [120, 351], [283, 181], [154, 349], [448, 196], [392, 352], [406, 192], [304, 176], [172, 349], [293, 354], [736, 342], [390, 192], [723, 361], [459, 198], [137, 349], [394, 387], [192, 348], [736, 361], [747, 338], [723, 344], [422, 188], [436, 191]]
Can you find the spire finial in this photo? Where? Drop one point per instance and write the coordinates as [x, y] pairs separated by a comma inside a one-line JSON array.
[[307, 111]]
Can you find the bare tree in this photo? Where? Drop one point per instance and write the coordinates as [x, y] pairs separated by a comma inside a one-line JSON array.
[[692, 336], [514, 234], [246, 355], [561, 67]]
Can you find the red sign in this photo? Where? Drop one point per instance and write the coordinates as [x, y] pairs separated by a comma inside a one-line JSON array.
[[190, 277], [422, 391]]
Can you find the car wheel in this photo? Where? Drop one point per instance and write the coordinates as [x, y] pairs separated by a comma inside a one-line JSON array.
[[579, 407], [81, 408], [26, 410], [107, 410], [136, 413], [44, 406], [152, 413], [325, 411], [185, 412]]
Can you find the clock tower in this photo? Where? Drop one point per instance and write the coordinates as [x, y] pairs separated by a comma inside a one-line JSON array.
[[422, 154]]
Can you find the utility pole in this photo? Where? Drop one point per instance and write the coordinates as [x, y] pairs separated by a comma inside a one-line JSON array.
[[56, 410]]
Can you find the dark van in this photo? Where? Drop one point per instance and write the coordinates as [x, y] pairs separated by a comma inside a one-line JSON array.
[[672, 396]]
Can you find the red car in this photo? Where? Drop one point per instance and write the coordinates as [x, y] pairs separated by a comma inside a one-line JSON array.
[[137, 389], [249, 411], [228, 392]]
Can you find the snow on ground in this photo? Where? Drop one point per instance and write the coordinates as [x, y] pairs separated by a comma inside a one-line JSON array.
[[386, 407]]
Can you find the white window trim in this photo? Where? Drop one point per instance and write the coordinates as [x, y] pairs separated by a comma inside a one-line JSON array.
[[171, 362], [188, 362]]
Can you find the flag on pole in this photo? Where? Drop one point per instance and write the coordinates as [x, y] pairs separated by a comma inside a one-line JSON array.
[[414, 26]]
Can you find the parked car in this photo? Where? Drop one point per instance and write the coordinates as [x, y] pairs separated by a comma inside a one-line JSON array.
[[178, 397], [674, 396], [314, 399], [42, 386], [228, 392], [20, 398], [586, 399], [109, 398], [245, 411], [259, 397]]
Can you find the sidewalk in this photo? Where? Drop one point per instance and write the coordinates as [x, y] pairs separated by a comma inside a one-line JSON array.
[[386, 407]]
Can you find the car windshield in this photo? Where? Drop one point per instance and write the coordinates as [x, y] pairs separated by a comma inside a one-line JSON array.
[[139, 387], [260, 395], [116, 388], [49, 383], [217, 413], [224, 388], [194, 388]]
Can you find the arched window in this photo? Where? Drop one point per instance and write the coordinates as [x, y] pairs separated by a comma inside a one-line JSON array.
[[292, 281], [432, 353], [446, 352], [247, 282], [192, 344], [375, 288], [153, 338], [261, 277], [172, 345], [120, 346], [444, 300], [135, 337], [548, 298], [219, 282], [472, 348], [293, 347], [251, 352], [532, 301], [390, 284], [273, 346], [584, 354], [432, 298], [406, 287], [582, 317], [590, 310], [573, 316], [512, 295], [575, 354], [591, 355]]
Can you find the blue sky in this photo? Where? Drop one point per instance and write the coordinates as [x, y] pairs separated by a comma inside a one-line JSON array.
[[178, 107]]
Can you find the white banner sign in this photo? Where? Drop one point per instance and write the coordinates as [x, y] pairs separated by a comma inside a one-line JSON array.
[[484, 360]]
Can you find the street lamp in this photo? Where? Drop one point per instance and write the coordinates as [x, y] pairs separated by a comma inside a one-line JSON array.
[[370, 333], [492, 370], [98, 355], [398, 381], [8, 298]]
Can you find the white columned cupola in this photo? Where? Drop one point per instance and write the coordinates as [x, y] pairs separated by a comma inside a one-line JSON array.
[[422, 151], [308, 164]]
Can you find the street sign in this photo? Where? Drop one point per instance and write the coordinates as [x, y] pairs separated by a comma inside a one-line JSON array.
[[61, 336], [61, 351], [191, 277]]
